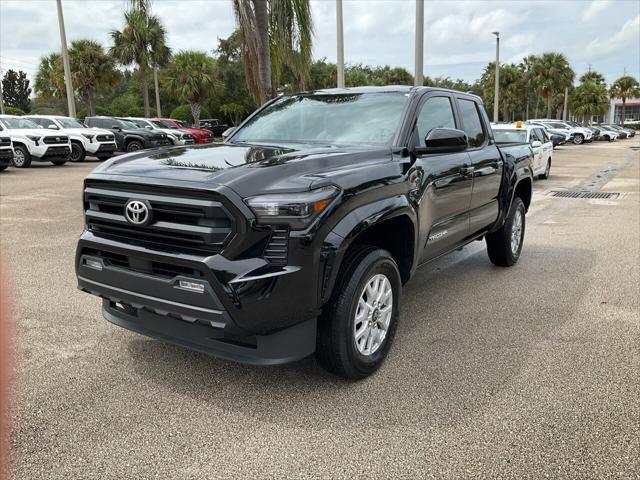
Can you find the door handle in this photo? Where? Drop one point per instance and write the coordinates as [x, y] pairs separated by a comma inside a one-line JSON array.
[[466, 170]]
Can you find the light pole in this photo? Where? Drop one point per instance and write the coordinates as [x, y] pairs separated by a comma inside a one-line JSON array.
[[65, 60], [419, 74], [1, 94], [496, 94], [340, 65], [155, 84]]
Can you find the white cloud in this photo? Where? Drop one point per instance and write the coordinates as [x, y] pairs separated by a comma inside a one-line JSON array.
[[628, 35], [596, 7]]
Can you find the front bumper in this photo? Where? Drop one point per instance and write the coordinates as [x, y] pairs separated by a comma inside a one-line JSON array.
[[243, 313], [157, 143], [6, 157], [54, 152], [107, 147]]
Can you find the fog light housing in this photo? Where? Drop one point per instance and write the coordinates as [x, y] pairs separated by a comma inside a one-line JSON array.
[[94, 263], [196, 287]]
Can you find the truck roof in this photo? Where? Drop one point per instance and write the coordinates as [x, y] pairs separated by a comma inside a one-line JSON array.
[[383, 89]]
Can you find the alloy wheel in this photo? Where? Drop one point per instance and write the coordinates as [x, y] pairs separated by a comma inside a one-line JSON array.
[[516, 232], [373, 315]]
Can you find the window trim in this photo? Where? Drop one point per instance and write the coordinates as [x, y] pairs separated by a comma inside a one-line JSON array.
[[482, 123]]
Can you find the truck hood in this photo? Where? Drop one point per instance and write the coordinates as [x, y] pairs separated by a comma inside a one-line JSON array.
[[89, 131], [40, 132], [247, 169]]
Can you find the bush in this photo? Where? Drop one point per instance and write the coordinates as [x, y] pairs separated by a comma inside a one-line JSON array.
[[13, 111], [183, 112]]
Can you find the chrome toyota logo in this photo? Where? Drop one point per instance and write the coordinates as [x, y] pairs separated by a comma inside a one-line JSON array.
[[137, 212]]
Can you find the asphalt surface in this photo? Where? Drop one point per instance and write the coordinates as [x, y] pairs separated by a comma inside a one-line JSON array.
[[527, 372]]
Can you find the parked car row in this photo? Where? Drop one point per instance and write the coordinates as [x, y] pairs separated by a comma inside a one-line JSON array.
[[58, 139], [578, 134]]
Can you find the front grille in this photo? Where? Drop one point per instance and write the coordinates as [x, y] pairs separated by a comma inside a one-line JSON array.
[[277, 249], [54, 140], [5, 141], [181, 220], [104, 138], [58, 151]]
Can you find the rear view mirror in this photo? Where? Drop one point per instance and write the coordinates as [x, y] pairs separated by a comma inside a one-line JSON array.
[[443, 140], [536, 143]]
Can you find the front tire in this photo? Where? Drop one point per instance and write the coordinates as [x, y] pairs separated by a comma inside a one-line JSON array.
[[357, 327], [134, 146], [547, 171], [21, 157], [578, 139], [78, 153], [505, 245]]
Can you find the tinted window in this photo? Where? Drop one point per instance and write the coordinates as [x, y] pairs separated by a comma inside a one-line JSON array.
[[436, 113], [471, 122]]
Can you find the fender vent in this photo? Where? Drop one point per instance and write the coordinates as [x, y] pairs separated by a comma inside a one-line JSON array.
[[277, 249], [584, 194]]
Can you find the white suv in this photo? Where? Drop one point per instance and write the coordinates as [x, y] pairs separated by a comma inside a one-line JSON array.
[[84, 140], [177, 137], [580, 134], [32, 143]]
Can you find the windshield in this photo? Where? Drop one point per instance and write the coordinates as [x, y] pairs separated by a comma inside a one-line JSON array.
[[159, 124], [509, 136], [18, 123], [125, 123], [69, 123], [558, 125], [140, 123], [345, 119]]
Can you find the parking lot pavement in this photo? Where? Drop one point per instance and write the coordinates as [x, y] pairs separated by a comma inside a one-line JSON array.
[[528, 372]]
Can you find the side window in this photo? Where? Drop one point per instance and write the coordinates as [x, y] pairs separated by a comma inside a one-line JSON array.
[[436, 112], [45, 122], [471, 122], [545, 137]]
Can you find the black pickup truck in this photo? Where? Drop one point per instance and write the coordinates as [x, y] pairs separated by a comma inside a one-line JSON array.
[[298, 233], [129, 137]]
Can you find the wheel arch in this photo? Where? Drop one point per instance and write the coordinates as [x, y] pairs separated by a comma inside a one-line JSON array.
[[389, 224]]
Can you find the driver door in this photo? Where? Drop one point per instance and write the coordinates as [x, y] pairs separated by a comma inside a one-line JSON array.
[[443, 181]]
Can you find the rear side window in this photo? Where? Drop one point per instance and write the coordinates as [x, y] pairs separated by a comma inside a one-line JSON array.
[[471, 122], [436, 113]]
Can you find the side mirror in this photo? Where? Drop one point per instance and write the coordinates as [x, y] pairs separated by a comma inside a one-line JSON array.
[[443, 140], [148, 127], [228, 132], [53, 127], [536, 143], [116, 128]]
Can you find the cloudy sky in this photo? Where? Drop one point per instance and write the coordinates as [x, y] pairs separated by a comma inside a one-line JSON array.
[[458, 42]]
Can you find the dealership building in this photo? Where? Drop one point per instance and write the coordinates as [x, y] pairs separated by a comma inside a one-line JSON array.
[[631, 110]]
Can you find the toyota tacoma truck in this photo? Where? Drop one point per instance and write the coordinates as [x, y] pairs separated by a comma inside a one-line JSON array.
[[129, 137], [100, 143], [33, 143], [298, 233]]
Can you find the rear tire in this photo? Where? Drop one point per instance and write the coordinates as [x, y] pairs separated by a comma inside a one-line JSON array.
[[21, 157], [357, 327], [505, 245], [578, 139], [78, 153]]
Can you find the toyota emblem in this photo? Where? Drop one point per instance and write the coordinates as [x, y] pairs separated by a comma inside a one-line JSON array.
[[137, 212]]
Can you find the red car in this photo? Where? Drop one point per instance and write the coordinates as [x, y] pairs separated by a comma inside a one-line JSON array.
[[200, 135]]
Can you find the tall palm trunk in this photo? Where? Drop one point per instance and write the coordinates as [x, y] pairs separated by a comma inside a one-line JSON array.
[[195, 113], [90, 104], [145, 90], [549, 95], [264, 49]]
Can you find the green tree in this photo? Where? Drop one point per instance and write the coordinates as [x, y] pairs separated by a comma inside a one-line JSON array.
[[273, 34], [16, 90], [552, 75], [49, 82], [594, 77], [142, 41], [623, 88], [590, 98], [92, 69], [191, 76], [184, 113]]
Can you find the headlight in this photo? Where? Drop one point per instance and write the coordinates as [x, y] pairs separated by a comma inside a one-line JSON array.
[[34, 138], [297, 210]]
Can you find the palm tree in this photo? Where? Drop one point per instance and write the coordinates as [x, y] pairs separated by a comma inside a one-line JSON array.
[[190, 76], [141, 41], [49, 81], [625, 87], [92, 69], [552, 74], [590, 98], [273, 34], [593, 76]]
